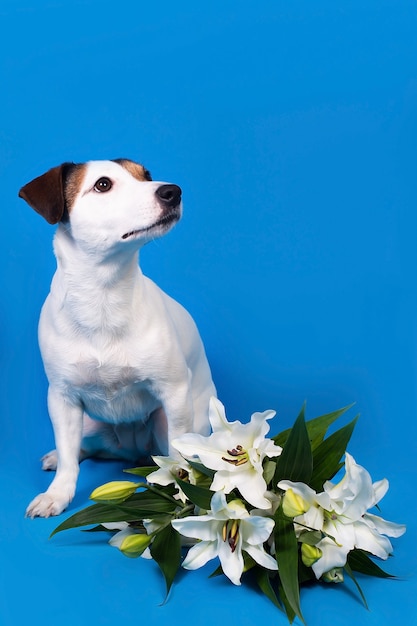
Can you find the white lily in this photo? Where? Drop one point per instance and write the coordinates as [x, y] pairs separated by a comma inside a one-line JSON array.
[[226, 531], [341, 511], [169, 470], [236, 451]]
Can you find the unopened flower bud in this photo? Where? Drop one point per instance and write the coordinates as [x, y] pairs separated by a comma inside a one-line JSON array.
[[115, 491], [135, 545], [238, 507], [310, 554], [334, 575], [294, 504]]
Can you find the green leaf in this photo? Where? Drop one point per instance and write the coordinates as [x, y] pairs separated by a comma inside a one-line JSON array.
[[201, 468], [316, 428], [305, 574], [152, 500], [97, 529], [95, 514], [291, 615], [326, 457], [139, 506], [282, 437], [263, 580], [286, 546], [204, 482], [348, 570], [295, 462], [269, 470], [198, 495], [166, 551], [360, 561], [141, 471], [311, 537]]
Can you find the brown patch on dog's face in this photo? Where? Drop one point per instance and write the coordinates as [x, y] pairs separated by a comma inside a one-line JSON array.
[[74, 177], [138, 171]]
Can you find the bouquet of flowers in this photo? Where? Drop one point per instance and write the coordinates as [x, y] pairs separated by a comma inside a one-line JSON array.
[[265, 507]]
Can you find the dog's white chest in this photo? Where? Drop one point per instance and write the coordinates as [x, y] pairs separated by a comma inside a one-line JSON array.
[[110, 392]]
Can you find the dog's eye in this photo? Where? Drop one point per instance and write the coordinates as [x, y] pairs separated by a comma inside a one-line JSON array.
[[103, 184]]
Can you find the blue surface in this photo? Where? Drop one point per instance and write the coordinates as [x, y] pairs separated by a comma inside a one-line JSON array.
[[292, 128]]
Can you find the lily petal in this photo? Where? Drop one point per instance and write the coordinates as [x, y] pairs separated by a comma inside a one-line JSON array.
[[333, 556], [198, 527], [313, 518], [232, 562], [391, 529], [200, 554], [301, 489], [259, 426], [217, 415], [260, 556], [353, 495], [371, 541], [380, 489], [255, 530], [252, 486], [115, 525], [221, 510]]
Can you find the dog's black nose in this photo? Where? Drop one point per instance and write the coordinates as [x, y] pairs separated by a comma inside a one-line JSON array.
[[169, 195]]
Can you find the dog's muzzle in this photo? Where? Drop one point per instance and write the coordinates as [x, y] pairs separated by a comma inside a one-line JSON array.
[[169, 195]]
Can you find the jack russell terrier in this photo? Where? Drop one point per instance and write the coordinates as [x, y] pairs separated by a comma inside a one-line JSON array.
[[126, 367]]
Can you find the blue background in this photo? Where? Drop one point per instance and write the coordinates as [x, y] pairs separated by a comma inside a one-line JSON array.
[[292, 129]]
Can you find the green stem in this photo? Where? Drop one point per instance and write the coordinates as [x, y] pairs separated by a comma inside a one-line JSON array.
[[323, 532], [162, 494], [187, 509]]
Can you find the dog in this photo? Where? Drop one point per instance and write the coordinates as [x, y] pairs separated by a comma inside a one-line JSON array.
[[126, 367]]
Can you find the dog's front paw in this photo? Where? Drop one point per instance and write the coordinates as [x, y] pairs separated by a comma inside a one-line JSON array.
[[46, 505], [50, 461]]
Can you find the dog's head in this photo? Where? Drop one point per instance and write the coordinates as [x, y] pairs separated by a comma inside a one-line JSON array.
[[105, 203]]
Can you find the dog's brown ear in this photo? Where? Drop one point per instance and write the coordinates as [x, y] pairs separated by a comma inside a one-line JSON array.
[[45, 193]]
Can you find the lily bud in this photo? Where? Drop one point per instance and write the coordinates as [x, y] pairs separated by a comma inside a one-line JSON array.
[[238, 507], [334, 575], [115, 491], [294, 504], [135, 545], [310, 554]]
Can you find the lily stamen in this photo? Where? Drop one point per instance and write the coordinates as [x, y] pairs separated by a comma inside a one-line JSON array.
[[182, 474], [236, 451], [233, 542], [230, 533], [234, 531], [240, 454], [224, 532]]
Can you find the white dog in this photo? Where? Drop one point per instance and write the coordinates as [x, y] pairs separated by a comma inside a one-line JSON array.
[[126, 366]]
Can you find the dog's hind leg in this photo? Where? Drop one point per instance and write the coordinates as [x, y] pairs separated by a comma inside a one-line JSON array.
[[50, 460], [116, 441]]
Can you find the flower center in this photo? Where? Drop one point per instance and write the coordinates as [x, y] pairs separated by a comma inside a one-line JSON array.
[[239, 454], [331, 516], [182, 474], [230, 533]]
